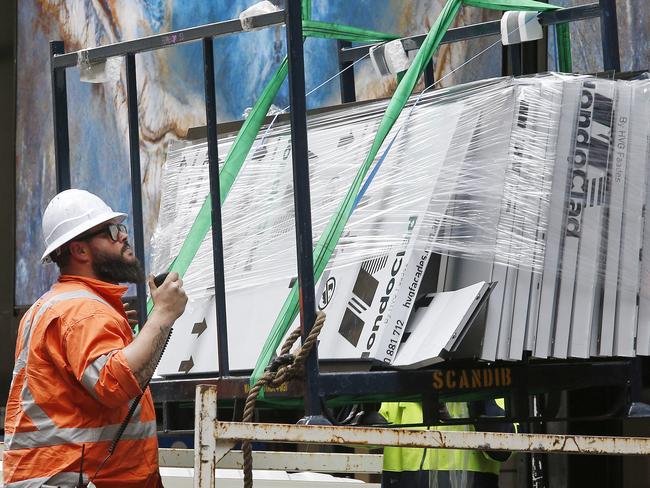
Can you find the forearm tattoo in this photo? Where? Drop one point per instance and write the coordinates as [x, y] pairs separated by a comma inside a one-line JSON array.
[[146, 372]]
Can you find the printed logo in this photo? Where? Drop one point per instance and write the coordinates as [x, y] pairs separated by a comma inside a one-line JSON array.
[[328, 293], [363, 294]]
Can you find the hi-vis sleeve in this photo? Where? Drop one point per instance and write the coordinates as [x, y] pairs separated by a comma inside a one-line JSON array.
[[93, 349]]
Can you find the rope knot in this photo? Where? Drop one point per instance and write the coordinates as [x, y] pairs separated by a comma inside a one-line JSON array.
[[282, 360], [284, 367]]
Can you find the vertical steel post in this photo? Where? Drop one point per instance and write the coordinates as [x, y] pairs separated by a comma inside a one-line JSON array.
[[346, 79], [505, 61], [636, 406], [205, 440], [511, 63], [534, 54], [609, 35], [529, 58], [516, 64], [60, 118], [302, 198], [8, 186], [165, 415], [538, 461], [136, 179], [215, 200]]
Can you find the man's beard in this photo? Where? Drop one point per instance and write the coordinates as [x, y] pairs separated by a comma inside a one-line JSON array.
[[116, 269]]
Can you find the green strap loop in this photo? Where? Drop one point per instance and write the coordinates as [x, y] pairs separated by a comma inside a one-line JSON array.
[[306, 9], [330, 236], [327, 30], [250, 130]]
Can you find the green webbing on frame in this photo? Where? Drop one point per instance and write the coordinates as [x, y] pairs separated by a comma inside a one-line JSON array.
[[331, 234], [253, 123], [334, 229], [563, 43]]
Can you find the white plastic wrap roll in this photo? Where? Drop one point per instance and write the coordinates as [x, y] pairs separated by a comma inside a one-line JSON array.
[[390, 58], [98, 72], [518, 27], [260, 8]]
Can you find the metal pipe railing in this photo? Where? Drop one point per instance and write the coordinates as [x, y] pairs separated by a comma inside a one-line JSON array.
[[302, 197], [215, 200], [136, 178], [161, 41], [492, 28]]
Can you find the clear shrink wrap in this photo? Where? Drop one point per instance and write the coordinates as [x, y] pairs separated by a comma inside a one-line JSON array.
[[592, 281], [434, 163], [536, 184]]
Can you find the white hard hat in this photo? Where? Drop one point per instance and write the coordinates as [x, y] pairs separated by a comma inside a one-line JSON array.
[[71, 213]]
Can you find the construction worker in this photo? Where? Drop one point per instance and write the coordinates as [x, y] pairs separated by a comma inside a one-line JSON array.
[[442, 468], [78, 366]]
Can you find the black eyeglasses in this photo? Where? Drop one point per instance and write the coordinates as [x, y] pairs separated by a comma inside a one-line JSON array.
[[113, 231]]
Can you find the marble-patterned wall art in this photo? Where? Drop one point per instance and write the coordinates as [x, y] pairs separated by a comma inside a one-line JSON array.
[[170, 88]]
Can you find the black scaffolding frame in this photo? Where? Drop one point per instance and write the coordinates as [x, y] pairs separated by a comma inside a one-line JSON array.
[[525, 379]]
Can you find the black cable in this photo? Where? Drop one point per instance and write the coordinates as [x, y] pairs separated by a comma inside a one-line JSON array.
[[81, 483], [158, 281]]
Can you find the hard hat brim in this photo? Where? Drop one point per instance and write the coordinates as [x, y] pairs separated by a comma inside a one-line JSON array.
[[118, 217]]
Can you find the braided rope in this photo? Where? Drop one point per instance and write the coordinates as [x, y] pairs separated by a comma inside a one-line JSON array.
[[276, 378]]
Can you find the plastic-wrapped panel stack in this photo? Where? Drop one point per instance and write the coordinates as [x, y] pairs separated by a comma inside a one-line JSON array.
[[590, 298], [537, 184], [591, 287]]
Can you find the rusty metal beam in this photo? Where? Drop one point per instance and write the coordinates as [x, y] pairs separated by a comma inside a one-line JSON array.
[[373, 436], [205, 447], [283, 461], [213, 439]]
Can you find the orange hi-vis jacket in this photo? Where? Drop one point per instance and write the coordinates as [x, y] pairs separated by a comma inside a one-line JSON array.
[[72, 387]]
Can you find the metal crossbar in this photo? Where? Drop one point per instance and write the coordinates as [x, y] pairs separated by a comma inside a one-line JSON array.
[[605, 10], [331, 462], [482, 29], [438, 439], [215, 439], [161, 41]]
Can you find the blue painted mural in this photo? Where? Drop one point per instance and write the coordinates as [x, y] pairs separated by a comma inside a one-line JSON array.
[[170, 88]]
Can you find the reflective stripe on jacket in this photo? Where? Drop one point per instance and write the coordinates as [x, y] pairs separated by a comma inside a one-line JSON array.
[[398, 459], [72, 386]]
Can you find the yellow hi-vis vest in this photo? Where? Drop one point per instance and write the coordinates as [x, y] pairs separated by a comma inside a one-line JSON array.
[[399, 459]]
